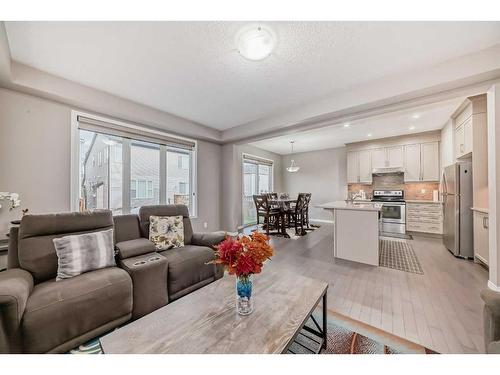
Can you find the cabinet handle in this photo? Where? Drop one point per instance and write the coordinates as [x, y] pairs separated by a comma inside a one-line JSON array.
[[485, 222]]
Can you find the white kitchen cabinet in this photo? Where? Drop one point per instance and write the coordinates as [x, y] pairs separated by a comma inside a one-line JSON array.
[[365, 166], [422, 162], [481, 240], [429, 158], [352, 167], [412, 167], [468, 136], [425, 217], [378, 158], [394, 157], [459, 141]]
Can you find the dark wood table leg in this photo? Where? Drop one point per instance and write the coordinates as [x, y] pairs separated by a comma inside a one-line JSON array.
[[325, 320], [283, 223]]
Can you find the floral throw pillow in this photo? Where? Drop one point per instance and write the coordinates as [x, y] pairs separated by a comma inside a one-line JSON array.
[[166, 232]]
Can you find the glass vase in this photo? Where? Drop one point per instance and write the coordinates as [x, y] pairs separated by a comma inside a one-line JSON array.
[[244, 301]]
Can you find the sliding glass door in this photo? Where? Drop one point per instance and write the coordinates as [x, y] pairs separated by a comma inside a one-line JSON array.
[[257, 179]]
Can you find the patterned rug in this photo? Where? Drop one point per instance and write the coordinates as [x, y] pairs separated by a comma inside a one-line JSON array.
[[345, 336], [350, 336], [399, 255]]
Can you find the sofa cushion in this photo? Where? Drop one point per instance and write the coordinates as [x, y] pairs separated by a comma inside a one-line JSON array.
[[57, 312], [126, 227], [36, 250], [166, 232], [132, 248], [86, 252], [166, 210], [187, 266]]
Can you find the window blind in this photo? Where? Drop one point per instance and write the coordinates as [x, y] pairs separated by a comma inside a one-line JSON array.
[[110, 128], [256, 159]]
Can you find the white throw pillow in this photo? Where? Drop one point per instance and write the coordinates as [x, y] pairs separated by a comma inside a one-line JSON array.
[[166, 232], [81, 253]]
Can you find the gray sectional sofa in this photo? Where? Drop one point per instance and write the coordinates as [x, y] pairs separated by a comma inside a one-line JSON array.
[[40, 315]]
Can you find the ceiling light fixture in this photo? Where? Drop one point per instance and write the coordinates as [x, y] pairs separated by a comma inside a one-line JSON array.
[[415, 116], [369, 135], [346, 125], [412, 127], [256, 42], [293, 167]]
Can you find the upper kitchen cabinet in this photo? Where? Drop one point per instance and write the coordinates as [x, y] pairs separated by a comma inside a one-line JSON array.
[[429, 156], [417, 154], [395, 157], [352, 167], [359, 167], [422, 162], [471, 140], [378, 158], [413, 165], [365, 166]]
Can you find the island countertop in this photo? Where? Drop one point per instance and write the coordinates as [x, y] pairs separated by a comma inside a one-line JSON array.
[[343, 205]]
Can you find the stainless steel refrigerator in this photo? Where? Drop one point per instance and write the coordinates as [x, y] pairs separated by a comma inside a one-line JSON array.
[[456, 190]]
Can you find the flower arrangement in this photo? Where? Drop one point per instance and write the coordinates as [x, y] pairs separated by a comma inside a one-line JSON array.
[[12, 197], [245, 255]]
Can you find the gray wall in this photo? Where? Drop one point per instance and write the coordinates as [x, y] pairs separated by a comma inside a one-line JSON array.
[[35, 154], [232, 180], [322, 173]]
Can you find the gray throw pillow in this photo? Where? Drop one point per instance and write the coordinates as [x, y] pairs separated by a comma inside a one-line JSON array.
[[84, 252]]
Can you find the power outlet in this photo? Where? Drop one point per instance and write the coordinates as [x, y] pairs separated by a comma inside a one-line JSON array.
[[205, 225]]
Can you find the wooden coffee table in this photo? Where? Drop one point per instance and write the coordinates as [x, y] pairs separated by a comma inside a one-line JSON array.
[[206, 320]]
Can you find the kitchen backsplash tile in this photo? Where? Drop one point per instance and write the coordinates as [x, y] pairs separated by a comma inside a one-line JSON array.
[[413, 191]]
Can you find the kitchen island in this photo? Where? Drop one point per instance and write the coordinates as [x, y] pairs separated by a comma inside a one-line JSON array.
[[356, 230]]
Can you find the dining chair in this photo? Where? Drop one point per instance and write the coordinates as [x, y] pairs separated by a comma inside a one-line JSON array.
[[297, 216], [270, 214], [306, 210]]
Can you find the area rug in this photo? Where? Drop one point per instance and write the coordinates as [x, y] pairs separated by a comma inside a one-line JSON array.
[[402, 236], [344, 336], [350, 336], [399, 255]]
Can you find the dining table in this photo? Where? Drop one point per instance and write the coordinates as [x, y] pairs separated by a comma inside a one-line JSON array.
[[283, 205]]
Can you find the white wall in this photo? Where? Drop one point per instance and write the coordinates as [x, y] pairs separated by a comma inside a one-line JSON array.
[[322, 173], [35, 160], [447, 151]]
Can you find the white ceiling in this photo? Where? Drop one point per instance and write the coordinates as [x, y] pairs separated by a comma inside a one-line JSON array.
[[430, 117], [193, 70]]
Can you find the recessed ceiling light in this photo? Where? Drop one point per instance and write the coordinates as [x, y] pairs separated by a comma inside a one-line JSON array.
[[369, 135], [411, 127], [415, 116], [255, 42], [346, 125]]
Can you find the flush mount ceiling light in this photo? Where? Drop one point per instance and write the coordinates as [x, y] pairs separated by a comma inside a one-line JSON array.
[[415, 116], [346, 125], [412, 127], [293, 167], [255, 42], [369, 135]]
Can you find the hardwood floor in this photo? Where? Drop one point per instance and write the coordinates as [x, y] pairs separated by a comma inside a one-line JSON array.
[[441, 309]]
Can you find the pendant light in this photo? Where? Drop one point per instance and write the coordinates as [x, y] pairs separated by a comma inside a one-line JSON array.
[[293, 167]]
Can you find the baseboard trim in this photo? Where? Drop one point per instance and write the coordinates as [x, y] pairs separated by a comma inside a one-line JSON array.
[[321, 221], [493, 286]]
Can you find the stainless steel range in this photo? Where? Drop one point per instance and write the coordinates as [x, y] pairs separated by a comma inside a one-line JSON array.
[[393, 210]]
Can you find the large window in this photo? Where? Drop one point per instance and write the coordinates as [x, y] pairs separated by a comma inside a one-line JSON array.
[[122, 170], [257, 179]]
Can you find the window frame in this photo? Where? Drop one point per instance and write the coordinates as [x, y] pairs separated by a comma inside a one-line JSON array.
[[253, 159], [126, 198]]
